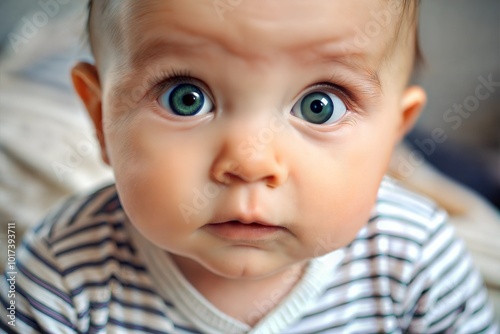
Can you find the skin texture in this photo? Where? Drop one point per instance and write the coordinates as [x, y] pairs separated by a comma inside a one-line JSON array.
[[251, 158]]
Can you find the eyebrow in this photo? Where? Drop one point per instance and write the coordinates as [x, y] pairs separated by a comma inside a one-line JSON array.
[[371, 76], [371, 86], [367, 78]]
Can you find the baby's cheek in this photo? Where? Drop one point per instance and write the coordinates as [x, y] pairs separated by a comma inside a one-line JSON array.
[[152, 177], [336, 199]]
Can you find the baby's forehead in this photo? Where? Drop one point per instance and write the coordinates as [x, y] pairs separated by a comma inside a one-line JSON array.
[[353, 28]]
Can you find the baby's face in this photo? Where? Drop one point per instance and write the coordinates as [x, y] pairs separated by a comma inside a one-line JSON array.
[[255, 136]]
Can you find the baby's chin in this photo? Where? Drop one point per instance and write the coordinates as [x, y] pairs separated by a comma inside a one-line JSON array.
[[246, 264]]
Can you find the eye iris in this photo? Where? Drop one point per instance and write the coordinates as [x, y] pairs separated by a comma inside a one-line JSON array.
[[317, 108], [186, 100]]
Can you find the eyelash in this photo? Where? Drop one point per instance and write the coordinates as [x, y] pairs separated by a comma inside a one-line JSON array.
[[159, 81], [345, 95]]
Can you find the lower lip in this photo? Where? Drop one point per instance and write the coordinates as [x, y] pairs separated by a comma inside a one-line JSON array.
[[239, 231]]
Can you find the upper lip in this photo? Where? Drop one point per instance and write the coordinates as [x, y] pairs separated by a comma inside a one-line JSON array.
[[244, 219], [248, 222]]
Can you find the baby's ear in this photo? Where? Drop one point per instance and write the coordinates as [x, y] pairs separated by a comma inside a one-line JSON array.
[[87, 85], [412, 103]]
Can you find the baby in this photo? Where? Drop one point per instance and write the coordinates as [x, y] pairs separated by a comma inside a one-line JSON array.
[[249, 141]]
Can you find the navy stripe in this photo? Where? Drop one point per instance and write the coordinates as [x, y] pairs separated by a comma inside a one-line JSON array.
[[72, 200], [349, 260], [19, 315], [350, 301], [377, 234], [109, 207], [451, 290], [414, 311], [146, 309], [484, 328], [435, 257], [84, 314], [95, 328], [7, 328], [85, 204], [387, 287], [132, 286], [102, 262], [187, 329], [96, 244], [47, 286], [40, 257], [466, 276], [439, 300], [50, 219], [459, 309], [116, 226], [121, 303], [482, 305], [42, 308], [370, 278]]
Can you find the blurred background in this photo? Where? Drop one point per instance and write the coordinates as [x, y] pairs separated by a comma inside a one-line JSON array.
[[460, 41], [48, 150]]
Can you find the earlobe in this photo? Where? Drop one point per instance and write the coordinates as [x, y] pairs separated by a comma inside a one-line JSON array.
[[86, 83], [412, 104]]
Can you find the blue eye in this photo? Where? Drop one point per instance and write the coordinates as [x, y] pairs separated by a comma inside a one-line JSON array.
[[186, 100], [320, 108]]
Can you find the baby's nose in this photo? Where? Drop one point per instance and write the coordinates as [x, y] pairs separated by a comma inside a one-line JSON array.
[[249, 153]]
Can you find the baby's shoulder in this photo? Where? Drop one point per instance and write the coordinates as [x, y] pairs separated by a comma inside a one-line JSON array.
[[83, 215], [84, 229], [79, 258], [405, 223], [405, 212]]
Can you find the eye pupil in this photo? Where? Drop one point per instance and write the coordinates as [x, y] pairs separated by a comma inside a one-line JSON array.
[[317, 106], [190, 99]]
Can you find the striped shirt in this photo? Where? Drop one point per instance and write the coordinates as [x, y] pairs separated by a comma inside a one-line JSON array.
[[85, 269]]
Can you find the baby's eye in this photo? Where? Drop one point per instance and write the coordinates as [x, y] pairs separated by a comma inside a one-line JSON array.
[[320, 108], [186, 100]]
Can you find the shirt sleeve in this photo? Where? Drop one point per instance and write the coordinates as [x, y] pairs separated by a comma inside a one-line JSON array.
[[447, 293], [33, 291]]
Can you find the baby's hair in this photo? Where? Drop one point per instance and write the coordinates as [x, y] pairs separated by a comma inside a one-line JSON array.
[[108, 24]]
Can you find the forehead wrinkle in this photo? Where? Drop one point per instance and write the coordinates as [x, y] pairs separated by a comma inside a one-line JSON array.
[[155, 48], [164, 48], [181, 37], [143, 51], [236, 40]]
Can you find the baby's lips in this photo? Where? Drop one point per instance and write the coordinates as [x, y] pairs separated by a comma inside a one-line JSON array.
[[243, 218], [234, 221]]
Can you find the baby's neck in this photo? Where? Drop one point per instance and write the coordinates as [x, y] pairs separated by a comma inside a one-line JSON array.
[[245, 300]]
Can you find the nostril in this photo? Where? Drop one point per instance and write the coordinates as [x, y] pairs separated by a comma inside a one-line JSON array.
[[231, 167], [227, 173], [225, 178]]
